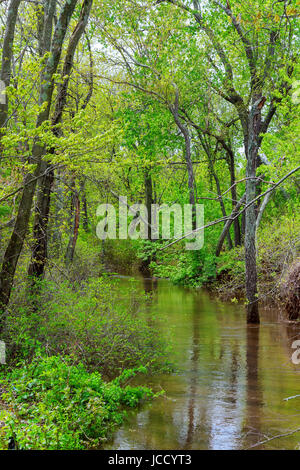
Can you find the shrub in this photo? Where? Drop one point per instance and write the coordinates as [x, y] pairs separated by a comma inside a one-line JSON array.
[[53, 404], [189, 268], [96, 321]]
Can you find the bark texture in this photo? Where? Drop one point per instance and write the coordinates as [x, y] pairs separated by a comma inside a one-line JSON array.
[[250, 229], [7, 52], [16, 241], [39, 249]]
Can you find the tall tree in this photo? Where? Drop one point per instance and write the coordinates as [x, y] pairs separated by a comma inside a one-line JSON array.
[[268, 33], [16, 241], [7, 52], [39, 247]]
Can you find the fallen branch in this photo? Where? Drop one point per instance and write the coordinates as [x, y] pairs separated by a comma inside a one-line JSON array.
[[231, 218], [290, 398], [272, 438]]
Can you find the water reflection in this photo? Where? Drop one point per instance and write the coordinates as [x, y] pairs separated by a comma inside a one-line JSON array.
[[150, 285], [254, 401], [232, 380], [191, 408]]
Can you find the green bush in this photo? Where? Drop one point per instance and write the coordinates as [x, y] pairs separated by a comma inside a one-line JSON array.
[[96, 321], [189, 268], [53, 404]]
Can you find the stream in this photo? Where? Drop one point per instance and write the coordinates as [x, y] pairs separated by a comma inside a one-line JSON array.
[[232, 381]]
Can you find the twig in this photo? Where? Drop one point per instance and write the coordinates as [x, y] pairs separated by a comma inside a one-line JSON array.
[[272, 438], [290, 398]]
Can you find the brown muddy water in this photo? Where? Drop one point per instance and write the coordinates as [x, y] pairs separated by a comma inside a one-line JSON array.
[[232, 382]]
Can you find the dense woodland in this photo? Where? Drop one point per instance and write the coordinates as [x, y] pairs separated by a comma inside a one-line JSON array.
[[165, 102]]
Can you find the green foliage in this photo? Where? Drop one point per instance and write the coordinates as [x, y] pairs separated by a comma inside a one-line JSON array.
[[278, 245], [53, 404], [4, 210], [97, 321], [195, 268], [155, 71], [190, 268]]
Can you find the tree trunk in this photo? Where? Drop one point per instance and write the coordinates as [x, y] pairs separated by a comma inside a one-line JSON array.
[[74, 235], [16, 241], [85, 217], [144, 267], [68, 62], [7, 52], [56, 235], [250, 248], [243, 225], [250, 229], [223, 210], [188, 158], [39, 249], [149, 199], [262, 208], [228, 224]]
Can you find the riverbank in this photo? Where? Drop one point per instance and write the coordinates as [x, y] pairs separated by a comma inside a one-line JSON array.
[[278, 250], [52, 404], [108, 324], [70, 357]]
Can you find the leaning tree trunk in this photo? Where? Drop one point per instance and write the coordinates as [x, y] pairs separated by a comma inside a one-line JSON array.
[[16, 241], [144, 267], [7, 52], [254, 124], [39, 248]]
